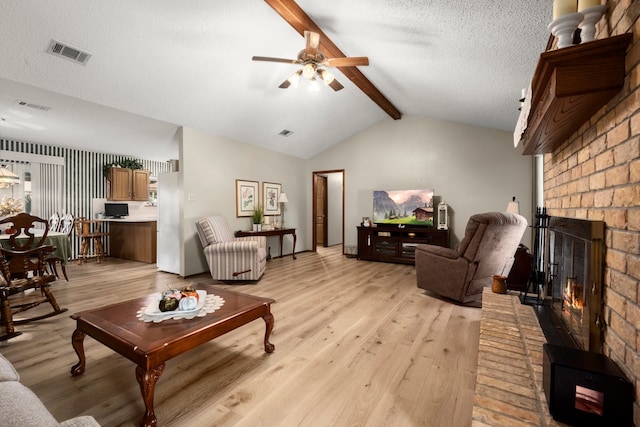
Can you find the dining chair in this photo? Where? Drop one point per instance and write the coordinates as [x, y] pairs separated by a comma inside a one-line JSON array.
[[67, 225], [54, 222], [23, 226], [90, 230], [29, 232], [19, 272]]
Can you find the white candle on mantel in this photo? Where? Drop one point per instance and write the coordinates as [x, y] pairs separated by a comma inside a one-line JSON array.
[[564, 7], [585, 4]]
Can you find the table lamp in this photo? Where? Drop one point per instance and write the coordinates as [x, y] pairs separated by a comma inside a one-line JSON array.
[[513, 207], [282, 199]]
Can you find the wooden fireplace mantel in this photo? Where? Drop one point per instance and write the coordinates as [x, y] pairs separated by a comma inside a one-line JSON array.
[[569, 86]]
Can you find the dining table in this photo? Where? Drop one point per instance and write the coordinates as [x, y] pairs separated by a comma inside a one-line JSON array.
[[55, 238]]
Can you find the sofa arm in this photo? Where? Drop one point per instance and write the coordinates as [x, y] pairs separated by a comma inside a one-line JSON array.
[[438, 251], [262, 240], [443, 271], [233, 247]]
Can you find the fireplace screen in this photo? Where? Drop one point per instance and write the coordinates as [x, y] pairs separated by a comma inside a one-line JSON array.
[[574, 278]]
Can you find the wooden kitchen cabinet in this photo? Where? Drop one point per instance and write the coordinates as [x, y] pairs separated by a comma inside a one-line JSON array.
[[136, 241], [128, 184]]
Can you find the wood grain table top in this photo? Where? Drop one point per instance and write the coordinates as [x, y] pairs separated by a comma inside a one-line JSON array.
[[150, 344]]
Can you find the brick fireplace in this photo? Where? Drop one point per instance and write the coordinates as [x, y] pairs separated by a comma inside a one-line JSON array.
[[595, 175]]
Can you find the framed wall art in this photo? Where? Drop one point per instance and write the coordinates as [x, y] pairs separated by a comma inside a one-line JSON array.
[[270, 195], [246, 197]]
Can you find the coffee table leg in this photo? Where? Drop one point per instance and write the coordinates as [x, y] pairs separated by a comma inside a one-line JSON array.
[[268, 319], [147, 381], [77, 341]]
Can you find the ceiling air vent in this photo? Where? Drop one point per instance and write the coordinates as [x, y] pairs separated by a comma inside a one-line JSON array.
[[285, 132], [32, 105], [67, 52]]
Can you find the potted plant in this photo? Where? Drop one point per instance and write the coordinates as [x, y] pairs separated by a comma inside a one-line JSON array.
[[257, 218]]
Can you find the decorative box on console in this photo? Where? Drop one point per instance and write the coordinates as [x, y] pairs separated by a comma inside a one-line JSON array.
[[585, 388]]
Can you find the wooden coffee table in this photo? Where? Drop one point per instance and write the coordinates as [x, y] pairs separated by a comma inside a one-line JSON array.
[[149, 345]]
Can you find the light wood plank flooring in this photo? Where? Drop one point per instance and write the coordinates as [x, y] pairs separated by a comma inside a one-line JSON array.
[[357, 344]]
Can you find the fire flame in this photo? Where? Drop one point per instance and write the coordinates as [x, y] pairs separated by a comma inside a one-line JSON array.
[[574, 293]]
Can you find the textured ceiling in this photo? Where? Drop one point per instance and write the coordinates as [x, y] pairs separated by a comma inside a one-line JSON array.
[[158, 64]]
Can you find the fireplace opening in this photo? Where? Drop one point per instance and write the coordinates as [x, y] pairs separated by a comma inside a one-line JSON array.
[[570, 311]]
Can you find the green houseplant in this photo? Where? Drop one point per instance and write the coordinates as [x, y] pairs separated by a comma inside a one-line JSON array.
[[125, 163], [256, 217]]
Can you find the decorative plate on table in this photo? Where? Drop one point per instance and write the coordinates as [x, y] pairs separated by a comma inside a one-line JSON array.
[[154, 308], [207, 303]]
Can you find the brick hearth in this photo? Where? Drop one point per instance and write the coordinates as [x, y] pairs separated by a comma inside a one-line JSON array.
[[509, 380]]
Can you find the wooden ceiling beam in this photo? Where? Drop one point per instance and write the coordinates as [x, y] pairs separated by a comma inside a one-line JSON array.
[[301, 22]]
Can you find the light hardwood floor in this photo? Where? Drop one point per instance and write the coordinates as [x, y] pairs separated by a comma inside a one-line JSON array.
[[357, 344]]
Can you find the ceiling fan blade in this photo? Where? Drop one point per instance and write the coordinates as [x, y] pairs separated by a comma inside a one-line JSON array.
[[293, 79], [353, 61], [313, 40], [266, 58], [335, 85], [329, 80]]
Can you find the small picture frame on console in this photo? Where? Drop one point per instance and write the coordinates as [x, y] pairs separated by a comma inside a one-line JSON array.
[[366, 221]]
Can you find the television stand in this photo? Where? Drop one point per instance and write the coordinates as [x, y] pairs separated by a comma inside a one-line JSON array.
[[388, 243]]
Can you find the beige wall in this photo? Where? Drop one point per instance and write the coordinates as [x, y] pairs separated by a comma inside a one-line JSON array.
[[471, 168], [209, 166]]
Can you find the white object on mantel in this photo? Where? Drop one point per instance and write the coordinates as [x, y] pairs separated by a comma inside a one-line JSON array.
[[588, 25], [586, 4], [564, 27], [564, 7]]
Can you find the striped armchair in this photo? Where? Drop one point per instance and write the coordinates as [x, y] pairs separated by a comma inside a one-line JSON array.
[[229, 257]]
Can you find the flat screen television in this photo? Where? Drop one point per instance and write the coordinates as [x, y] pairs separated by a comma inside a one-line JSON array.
[[403, 207], [116, 210]]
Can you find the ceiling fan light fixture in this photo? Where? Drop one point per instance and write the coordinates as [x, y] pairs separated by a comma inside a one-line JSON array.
[[309, 70], [314, 86], [326, 76], [295, 78]]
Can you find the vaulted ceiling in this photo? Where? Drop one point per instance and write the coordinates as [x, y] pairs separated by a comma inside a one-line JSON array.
[[160, 64]]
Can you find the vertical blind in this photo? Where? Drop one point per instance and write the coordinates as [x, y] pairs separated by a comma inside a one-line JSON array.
[[47, 189]]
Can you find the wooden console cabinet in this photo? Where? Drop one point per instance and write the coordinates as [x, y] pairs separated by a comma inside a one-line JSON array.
[[393, 244]]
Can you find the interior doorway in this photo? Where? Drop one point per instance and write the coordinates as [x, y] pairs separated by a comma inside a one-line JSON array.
[[328, 209]]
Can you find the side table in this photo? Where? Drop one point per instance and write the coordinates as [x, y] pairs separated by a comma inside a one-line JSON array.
[[280, 232]]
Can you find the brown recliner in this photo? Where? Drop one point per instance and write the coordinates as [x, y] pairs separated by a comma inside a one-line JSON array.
[[488, 248]]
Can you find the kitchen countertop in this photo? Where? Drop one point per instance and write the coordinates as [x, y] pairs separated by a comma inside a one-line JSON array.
[[132, 219]]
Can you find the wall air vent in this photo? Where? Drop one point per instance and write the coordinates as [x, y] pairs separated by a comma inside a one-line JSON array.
[[67, 52], [285, 132], [32, 105]]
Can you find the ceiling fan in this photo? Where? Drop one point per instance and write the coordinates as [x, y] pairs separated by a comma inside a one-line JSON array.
[[312, 61], [301, 22]]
